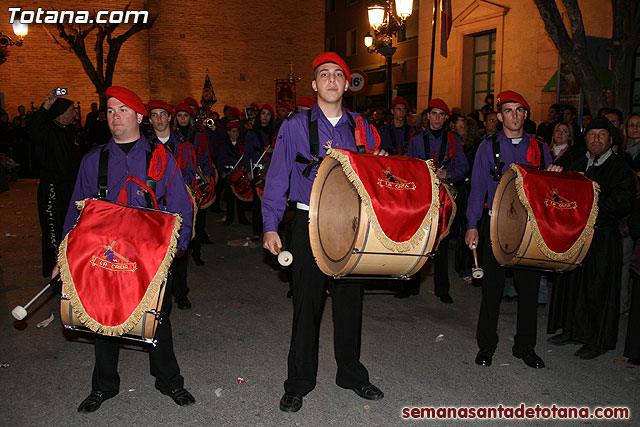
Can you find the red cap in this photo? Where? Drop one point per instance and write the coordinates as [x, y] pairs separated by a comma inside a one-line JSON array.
[[286, 105], [400, 100], [128, 98], [306, 101], [234, 113], [186, 108], [232, 125], [191, 101], [334, 58], [155, 103], [511, 96], [269, 108], [439, 103], [255, 105]]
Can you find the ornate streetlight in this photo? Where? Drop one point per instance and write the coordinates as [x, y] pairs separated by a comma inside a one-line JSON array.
[[386, 19], [20, 30]]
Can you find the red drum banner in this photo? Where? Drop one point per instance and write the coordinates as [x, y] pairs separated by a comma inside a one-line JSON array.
[[562, 206], [400, 195], [114, 260]]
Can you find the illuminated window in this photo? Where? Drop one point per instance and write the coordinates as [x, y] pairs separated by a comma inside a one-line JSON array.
[[484, 67]]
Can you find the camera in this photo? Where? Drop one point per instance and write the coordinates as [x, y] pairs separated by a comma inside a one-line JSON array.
[[61, 91]]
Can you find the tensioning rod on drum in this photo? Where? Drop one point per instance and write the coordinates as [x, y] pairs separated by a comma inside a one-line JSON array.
[[356, 251], [347, 277]]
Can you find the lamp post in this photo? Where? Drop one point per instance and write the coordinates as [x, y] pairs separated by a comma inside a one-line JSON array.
[[20, 30], [386, 19]]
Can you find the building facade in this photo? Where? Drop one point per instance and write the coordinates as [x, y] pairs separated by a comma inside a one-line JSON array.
[[245, 46]]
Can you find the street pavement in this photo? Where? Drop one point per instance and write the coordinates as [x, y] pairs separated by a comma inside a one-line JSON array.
[[232, 348]]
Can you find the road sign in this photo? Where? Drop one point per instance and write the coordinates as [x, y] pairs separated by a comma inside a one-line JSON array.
[[359, 82]]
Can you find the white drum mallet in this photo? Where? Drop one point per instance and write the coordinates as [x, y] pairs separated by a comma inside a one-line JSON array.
[[476, 272], [20, 312], [285, 258]]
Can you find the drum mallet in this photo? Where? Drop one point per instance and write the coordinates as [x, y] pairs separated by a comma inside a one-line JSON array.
[[285, 258], [476, 272], [20, 312]]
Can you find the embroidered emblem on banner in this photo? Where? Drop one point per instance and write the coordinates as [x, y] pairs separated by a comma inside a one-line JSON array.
[[558, 202], [394, 182], [112, 260]]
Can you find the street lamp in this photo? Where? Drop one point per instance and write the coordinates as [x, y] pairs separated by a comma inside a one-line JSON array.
[[386, 19], [20, 30]]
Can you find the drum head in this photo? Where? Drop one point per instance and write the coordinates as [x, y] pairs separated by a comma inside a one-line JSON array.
[[338, 215], [509, 217]]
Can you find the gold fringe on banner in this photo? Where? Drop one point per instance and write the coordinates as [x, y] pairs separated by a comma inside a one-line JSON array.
[[150, 296], [392, 245], [578, 244]]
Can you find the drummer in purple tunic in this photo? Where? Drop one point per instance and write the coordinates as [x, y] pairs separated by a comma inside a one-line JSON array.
[[445, 148], [513, 145], [395, 136], [160, 115], [257, 154], [185, 130], [293, 158], [127, 158]]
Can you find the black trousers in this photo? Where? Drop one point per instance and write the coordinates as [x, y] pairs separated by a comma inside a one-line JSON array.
[[309, 294], [632, 341], [526, 283], [196, 244], [441, 283], [162, 360], [231, 201], [256, 215], [178, 278]]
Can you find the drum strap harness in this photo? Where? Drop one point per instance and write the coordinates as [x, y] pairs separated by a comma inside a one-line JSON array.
[[404, 141], [451, 139], [314, 144], [103, 167], [532, 153]]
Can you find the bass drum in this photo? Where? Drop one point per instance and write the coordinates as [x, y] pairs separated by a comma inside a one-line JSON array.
[[241, 185], [341, 235], [512, 240]]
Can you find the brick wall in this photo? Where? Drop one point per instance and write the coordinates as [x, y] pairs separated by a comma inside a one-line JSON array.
[[245, 46]]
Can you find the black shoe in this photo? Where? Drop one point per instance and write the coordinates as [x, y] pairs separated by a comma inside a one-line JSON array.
[[291, 402], [561, 339], [588, 352], [446, 299], [183, 303], [198, 261], [484, 357], [227, 223], [181, 396], [244, 221], [510, 298], [530, 358], [407, 293], [582, 350], [94, 400], [205, 240], [369, 392]]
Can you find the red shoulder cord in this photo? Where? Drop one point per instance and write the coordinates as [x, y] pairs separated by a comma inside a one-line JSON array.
[[124, 198], [158, 164], [533, 152], [361, 135]]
